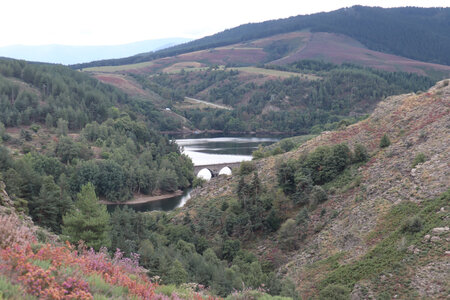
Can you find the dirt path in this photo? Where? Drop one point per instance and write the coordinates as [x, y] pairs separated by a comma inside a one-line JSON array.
[[145, 199], [209, 103]]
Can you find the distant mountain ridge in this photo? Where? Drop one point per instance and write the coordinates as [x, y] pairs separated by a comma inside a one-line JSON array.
[[64, 54], [417, 33]]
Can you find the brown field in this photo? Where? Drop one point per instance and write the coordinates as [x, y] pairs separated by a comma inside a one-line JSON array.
[[122, 82], [187, 66], [275, 73]]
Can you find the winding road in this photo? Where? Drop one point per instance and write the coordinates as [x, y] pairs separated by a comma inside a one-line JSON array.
[[209, 103]]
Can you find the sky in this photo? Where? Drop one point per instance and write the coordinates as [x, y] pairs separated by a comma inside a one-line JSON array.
[[111, 22]]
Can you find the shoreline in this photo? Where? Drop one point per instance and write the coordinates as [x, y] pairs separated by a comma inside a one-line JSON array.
[[144, 199], [215, 131]]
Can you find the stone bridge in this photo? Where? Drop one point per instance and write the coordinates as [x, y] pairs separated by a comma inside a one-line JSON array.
[[215, 168]]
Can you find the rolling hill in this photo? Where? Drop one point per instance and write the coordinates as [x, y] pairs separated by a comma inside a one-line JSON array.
[[282, 49], [262, 57], [299, 97], [416, 33]]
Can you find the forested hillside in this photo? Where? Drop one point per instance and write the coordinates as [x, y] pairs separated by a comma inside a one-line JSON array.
[[61, 129], [360, 211], [315, 96], [416, 33]]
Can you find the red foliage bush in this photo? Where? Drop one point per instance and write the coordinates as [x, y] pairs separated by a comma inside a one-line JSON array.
[[53, 283]]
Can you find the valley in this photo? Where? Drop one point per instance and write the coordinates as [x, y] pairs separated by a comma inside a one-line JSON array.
[[335, 130]]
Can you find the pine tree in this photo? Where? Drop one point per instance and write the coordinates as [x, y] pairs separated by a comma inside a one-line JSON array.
[[89, 221], [177, 274], [45, 209]]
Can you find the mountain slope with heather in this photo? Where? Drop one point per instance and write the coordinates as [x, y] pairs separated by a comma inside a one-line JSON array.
[[376, 227], [415, 33]]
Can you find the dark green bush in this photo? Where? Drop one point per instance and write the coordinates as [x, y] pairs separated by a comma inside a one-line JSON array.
[[420, 158], [26, 135], [385, 141], [318, 195], [360, 153], [287, 145], [302, 217], [412, 225], [334, 292], [247, 167]]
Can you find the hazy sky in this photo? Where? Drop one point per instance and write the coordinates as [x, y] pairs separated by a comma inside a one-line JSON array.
[[110, 22]]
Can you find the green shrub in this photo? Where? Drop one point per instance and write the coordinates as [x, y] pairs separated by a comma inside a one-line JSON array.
[[385, 141], [318, 195], [360, 153], [100, 287], [287, 235], [198, 182], [288, 289], [334, 292], [302, 217], [412, 225], [105, 155], [258, 154], [177, 274], [273, 220], [277, 151], [287, 145], [419, 159], [26, 135], [247, 167], [8, 290], [35, 127]]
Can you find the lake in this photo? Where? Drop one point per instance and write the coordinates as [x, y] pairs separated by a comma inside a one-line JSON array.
[[205, 151]]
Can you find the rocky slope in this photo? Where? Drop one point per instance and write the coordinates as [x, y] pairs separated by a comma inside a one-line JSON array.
[[355, 238]]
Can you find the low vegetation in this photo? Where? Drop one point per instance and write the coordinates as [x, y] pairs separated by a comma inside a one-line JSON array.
[[387, 254]]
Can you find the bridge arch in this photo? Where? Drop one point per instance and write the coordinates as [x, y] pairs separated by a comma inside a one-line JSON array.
[[226, 171], [205, 174]]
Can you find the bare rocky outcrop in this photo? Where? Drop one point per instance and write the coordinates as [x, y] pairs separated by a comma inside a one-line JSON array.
[[18, 227]]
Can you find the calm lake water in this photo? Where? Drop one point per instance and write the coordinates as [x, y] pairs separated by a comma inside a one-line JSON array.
[[217, 150], [205, 151]]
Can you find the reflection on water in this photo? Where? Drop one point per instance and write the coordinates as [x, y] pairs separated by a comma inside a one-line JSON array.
[[217, 150], [164, 205]]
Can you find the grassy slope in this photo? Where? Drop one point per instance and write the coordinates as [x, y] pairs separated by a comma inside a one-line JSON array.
[[358, 239]]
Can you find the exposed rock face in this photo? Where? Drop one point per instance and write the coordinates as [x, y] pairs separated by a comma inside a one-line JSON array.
[[18, 221], [4, 198]]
